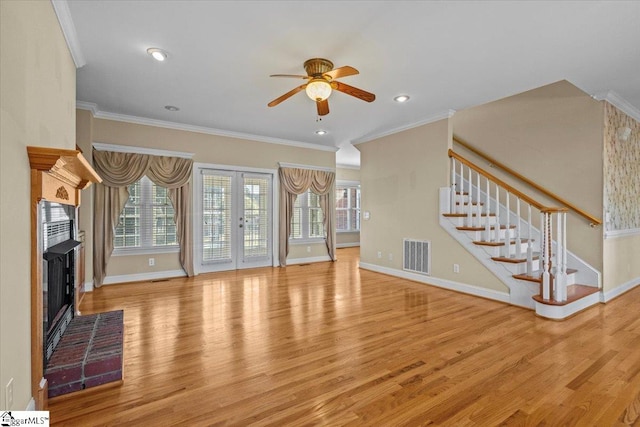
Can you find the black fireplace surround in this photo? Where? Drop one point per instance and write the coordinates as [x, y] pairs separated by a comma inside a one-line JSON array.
[[60, 251]]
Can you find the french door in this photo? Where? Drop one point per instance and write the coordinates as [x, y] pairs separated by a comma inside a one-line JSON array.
[[235, 220]]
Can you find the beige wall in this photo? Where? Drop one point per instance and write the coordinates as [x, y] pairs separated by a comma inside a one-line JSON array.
[[553, 136], [400, 177], [621, 266], [210, 149], [37, 108]]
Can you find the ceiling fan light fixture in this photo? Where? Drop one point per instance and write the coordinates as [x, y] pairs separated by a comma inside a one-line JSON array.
[[157, 54], [318, 89]]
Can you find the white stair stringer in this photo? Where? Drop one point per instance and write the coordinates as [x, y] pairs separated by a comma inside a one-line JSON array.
[[521, 292]]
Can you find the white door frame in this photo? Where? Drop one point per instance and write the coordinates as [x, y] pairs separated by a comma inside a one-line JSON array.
[[197, 208]]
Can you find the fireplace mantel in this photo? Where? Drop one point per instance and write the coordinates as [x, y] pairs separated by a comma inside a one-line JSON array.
[[57, 175], [63, 173]]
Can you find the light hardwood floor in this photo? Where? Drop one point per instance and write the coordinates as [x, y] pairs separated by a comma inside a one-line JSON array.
[[329, 344]]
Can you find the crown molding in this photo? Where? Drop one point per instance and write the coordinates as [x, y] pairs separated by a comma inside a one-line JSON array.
[[100, 146], [435, 118], [89, 106], [61, 7], [619, 102], [348, 166], [310, 167], [95, 110]]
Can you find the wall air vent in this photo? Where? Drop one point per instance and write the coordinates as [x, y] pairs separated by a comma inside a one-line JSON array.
[[416, 256]]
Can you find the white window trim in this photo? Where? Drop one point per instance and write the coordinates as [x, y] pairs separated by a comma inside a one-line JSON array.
[[343, 184], [307, 240], [145, 250]]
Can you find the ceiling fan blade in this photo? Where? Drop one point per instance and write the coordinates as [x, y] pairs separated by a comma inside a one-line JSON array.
[[323, 107], [286, 95], [353, 91], [295, 76], [341, 72]]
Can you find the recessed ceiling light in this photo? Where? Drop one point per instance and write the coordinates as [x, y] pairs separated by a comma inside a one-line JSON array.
[[171, 108], [321, 132], [158, 54], [401, 98]]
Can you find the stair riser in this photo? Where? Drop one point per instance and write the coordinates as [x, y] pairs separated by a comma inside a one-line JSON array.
[[480, 235], [462, 221], [520, 268], [496, 251], [474, 209]]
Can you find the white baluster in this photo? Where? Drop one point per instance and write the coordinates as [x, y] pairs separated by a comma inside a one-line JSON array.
[[546, 277], [478, 200], [497, 222], [518, 238], [461, 198], [487, 226], [469, 207], [529, 244], [452, 209], [507, 240], [562, 254], [558, 285]]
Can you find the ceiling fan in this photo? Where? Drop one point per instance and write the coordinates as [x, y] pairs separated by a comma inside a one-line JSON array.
[[322, 80]]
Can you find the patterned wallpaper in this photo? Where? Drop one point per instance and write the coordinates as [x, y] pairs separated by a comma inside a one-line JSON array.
[[621, 171]]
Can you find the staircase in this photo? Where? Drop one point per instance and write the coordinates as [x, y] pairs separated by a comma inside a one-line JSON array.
[[520, 240]]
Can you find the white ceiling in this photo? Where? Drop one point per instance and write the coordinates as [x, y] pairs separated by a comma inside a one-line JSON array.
[[445, 55]]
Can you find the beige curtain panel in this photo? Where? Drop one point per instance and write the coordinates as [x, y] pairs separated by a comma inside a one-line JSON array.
[[295, 181], [119, 170]]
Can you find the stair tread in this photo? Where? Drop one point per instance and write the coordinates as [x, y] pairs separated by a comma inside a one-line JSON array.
[[574, 293], [501, 243], [462, 215], [493, 227], [536, 276], [536, 256], [470, 203]]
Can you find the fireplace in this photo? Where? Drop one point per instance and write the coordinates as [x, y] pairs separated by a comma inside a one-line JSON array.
[[57, 178], [59, 258]]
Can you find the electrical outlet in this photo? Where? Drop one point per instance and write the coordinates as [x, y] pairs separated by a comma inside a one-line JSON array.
[[456, 268], [379, 254], [308, 249], [152, 262], [390, 257], [9, 394]]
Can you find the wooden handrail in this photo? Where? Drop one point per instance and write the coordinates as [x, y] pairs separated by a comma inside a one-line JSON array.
[[594, 221], [503, 184]]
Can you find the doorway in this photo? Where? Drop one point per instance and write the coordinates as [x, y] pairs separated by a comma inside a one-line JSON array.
[[235, 228]]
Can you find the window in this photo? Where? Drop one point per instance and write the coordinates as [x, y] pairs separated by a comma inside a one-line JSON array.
[[146, 222], [347, 208], [306, 221]]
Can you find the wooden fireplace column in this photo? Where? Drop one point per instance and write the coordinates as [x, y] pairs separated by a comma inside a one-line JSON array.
[[57, 175]]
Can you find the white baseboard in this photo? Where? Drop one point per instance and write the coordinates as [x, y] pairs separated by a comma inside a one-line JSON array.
[[347, 245], [294, 261], [31, 406], [88, 286], [440, 283], [616, 292], [141, 277]]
